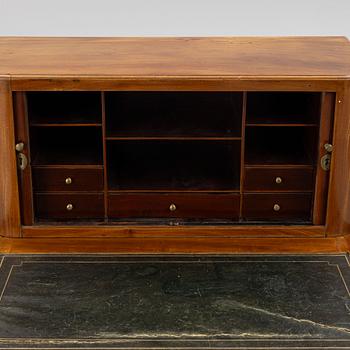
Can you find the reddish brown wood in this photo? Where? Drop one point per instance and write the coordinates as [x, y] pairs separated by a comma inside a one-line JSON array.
[[175, 245], [293, 206], [54, 206], [186, 83], [204, 206], [24, 176], [54, 179], [123, 230], [293, 179], [212, 56], [9, 196], [322, 177], [338, 213]]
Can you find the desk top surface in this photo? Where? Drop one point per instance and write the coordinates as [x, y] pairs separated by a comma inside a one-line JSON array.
[[237, 57]]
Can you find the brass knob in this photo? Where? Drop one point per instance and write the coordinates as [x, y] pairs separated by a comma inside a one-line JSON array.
[[276, 207], [328, 147], [69, 207], [68, 180], [19, 147], [172, 207], [278, 180]]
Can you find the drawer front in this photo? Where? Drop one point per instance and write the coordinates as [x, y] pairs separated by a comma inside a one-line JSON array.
[[69, 206], [191, 206], [276, 207], [66, 179], [278, 179]]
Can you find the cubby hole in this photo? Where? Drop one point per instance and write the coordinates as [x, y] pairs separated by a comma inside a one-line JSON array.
[[57, 107], [173, 165], [173, 114], [283, 108], [61, 145], [280, 145]]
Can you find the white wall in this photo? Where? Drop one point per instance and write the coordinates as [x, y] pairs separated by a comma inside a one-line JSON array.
[[174, 17]]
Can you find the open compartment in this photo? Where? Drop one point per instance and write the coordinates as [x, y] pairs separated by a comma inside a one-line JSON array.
[[173, 114], [61, 145], [173, 165], [280, 145], [58, 107], [283, 108]]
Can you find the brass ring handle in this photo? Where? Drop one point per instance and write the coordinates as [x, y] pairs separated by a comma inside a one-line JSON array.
[[172, 207], [278, 180], [276, 207], [68, 180], [69, 207]]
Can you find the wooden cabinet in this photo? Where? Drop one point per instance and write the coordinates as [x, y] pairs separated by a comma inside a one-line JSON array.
[[228, 156], [206, 133]]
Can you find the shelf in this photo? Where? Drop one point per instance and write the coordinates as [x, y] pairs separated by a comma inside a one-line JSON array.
[[281, 125], [235, 190], [173, 114], [280, 146], [174, 166], [57, 107], [64, 146], [283, 108], [50, 125], [165, 138]]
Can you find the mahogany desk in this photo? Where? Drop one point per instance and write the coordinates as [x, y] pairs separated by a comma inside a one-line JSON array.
[[195, 145]]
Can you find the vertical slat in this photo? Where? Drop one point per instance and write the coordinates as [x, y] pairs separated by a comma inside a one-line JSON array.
[[244, 113], [105, 179], [322, 177], [24, 176], [10, 222], [338, 212]]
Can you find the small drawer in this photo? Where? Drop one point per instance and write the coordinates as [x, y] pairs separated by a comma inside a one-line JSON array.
[[67, 179], [278, 179], [69, 206], [277, 206], [187, 206]]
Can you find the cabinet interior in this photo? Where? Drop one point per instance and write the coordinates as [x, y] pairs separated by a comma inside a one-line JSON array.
[[194, 146]]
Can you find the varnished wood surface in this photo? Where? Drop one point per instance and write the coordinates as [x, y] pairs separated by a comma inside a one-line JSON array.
[[321, 176], [174, 245], [186, 56], [9, 197], [166, 231], [338, 213]]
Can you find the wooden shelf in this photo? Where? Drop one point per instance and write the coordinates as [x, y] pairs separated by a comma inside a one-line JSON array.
[[280, 125], [173, 114], [62, 107], [174, 138], [54, 125]]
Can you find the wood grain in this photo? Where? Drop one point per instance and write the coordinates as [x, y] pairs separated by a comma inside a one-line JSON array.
[[24, 176], [162, 231], [184, 56], [9, 197], [322, 177], [338, 213], [175, 245]]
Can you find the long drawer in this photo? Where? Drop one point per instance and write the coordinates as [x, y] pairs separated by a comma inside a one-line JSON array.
[[190, 205], [277, 206], [69, 206], [278, 179], [67, 179]]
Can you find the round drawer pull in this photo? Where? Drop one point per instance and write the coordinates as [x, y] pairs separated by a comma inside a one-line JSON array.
[[68, 180], [69, 207], [278, 180], [276, 207], [172, 207]]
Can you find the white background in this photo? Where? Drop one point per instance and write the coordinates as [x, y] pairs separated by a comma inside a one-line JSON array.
[[176, 17]]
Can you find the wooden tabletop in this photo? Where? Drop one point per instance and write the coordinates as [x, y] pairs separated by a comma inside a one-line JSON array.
[[238, 57]]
